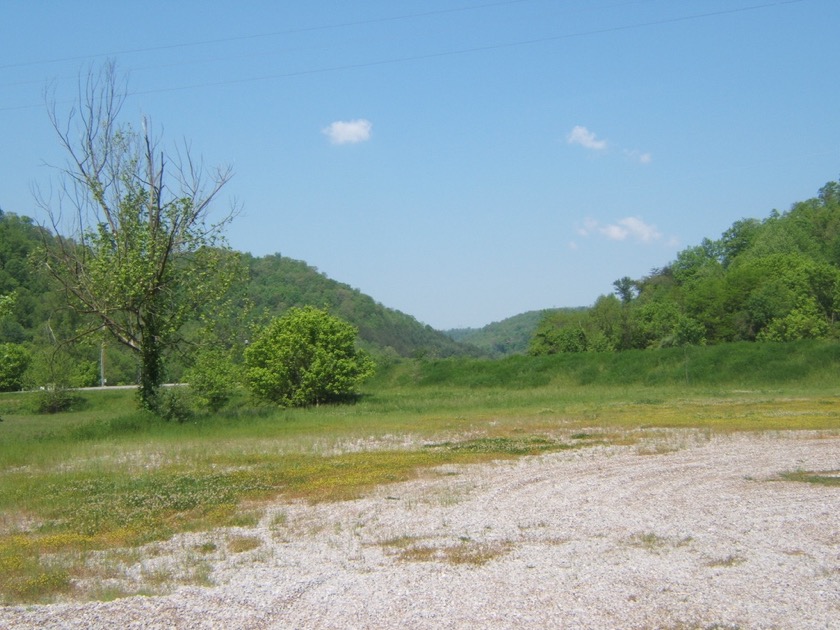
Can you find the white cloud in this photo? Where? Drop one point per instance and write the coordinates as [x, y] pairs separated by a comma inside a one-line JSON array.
[[631, 228], [349, 131], [615, 232], [580, 135], [589, 226], [585, 138]]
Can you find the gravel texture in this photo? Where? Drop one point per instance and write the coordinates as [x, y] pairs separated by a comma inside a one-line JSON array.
[[687, 531]]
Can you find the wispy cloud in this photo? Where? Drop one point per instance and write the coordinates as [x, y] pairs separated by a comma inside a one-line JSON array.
[[628, 228], [641, 157], [349, 131], [585, 138], [634, 228]]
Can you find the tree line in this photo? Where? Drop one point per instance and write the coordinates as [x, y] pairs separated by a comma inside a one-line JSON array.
[[776, 279]]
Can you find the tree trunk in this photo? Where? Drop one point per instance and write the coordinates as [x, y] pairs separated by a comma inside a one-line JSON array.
[[151, 368]]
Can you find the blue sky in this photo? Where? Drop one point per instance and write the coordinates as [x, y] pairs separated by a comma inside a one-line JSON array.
[[463, 160]]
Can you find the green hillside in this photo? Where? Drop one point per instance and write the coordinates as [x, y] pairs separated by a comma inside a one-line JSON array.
[[776, 279], [36, 319], [508, 336], [278, 283], [742, 366]]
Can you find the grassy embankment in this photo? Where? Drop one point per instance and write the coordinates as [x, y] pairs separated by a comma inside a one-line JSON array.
[[106, 477]]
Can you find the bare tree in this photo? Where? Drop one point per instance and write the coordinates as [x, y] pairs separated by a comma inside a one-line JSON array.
[[134, 248]]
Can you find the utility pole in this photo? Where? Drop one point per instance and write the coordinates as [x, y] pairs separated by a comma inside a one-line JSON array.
[[102, 380]]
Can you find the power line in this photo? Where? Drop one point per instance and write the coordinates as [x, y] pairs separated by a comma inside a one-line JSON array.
[[475, 49], [433, 55], [293, 31]]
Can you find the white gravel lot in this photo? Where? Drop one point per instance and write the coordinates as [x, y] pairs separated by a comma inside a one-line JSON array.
[[702, 536]]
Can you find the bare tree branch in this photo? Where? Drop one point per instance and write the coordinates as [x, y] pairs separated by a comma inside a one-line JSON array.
[[136, 259]]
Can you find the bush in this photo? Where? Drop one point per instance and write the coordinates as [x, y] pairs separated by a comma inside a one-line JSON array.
[[307, 357], [57, 400], [213, 379], [14, 360], [175, 405]]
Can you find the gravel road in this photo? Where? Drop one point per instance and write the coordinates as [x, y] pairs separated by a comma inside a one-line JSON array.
[[688, 531]]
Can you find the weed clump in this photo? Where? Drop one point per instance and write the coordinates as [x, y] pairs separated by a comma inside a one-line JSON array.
[[502, 446], [57, 400]]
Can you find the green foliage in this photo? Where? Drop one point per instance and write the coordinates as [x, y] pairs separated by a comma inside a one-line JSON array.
[[57, 400], [278, 284], [307, 357], [40, 317], [661, 323], [744, 364], [145, 259], [213, 377], [771, 280], [562, 330], [175, 405], [509, 336], [776, 279], [26, 299], [625, 289], [6, 304], [803, 322], [14, 360], [62, 367]]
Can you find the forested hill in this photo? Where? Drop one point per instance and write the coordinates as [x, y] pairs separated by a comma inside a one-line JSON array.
[[508, 336], [776, 279], [278, 283], [37, 319]]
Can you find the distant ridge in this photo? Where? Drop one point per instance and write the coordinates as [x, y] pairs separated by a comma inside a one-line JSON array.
[[503, 338]]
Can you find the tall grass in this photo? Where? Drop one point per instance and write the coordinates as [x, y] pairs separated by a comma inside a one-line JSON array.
[[737, 365], [108, 476]]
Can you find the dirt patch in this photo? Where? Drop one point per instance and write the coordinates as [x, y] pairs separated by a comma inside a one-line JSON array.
[[702, 532]]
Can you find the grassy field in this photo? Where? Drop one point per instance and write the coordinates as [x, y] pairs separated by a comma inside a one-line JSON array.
[[106, 478]]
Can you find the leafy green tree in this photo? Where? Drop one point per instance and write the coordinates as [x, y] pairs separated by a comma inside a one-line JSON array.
[[213, 377], [14, 360], [626, 289], [545, 339], [29, 305], [771, 288], [661, 324], [560, 330], [572, 339], [6, 304], [608, 317], [61, 366], [306, 357], [143, 257], [738, 239], [697, 263], [803, 322]]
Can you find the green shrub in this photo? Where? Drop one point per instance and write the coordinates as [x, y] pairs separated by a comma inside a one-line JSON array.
[[307, 357], [213, 379], [175, 405], [57, 400], [14, 360]]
